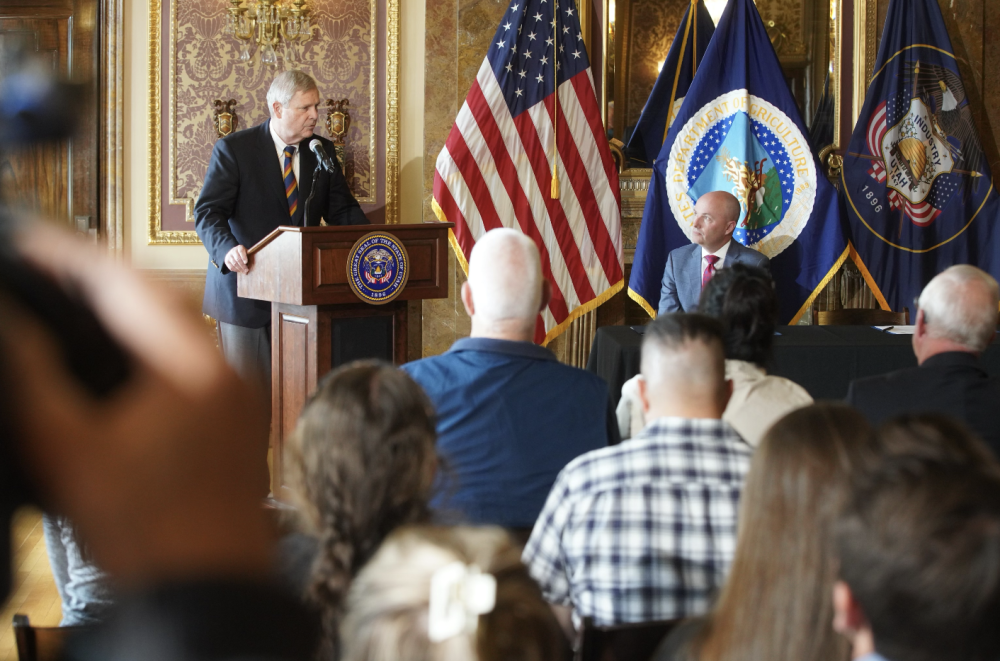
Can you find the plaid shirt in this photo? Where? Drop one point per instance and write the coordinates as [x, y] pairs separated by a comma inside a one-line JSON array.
[[645, 530]]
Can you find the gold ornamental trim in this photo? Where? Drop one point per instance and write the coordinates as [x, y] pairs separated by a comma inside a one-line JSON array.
[[156, 235], [391, 112]]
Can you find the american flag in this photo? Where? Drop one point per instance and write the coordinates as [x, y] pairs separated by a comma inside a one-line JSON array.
[[496, 169]]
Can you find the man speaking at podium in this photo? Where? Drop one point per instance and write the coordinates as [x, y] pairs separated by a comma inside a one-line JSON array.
[[258, 179]]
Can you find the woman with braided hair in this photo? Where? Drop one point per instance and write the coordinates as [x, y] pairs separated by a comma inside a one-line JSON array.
[[360, 463]]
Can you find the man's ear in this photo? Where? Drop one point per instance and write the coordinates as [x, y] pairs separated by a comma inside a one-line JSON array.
[[730, 228], [546, 294], [470, 307], [643, 394], [276, 106], [727, 393], [848, 618]]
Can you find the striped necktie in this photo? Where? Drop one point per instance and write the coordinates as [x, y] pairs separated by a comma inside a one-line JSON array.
[[291, 188]]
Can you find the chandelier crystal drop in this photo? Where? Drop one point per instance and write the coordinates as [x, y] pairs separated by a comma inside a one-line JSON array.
[[266, 25]]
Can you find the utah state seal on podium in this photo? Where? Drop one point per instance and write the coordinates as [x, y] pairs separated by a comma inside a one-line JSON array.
[[338, 294]]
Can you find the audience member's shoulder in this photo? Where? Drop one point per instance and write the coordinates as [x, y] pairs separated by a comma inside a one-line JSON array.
[[578, 376], [431, 364], [793, 392], [654, 453], [877, 382]]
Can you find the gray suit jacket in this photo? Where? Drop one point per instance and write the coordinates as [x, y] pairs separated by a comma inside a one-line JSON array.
[[681, 286]]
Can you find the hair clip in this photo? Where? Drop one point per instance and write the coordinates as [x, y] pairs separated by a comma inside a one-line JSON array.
[[460, 593]]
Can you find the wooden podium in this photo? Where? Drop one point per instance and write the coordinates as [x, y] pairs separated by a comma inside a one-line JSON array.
[[318, 322]]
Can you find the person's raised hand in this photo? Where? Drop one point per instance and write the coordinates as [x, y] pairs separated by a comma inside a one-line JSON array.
[[237, 260], [162, 477]]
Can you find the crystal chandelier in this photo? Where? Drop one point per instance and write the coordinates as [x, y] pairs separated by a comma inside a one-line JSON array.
[[266, 23]]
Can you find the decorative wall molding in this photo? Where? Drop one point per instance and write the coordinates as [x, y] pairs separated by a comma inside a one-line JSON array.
[[392, 113], [346, 59], [112, 128], [865, 34]]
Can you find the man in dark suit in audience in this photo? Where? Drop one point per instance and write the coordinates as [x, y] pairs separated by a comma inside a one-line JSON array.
[[259, 179], [956, 320], [712, 248], [509, 415], [919, 572]]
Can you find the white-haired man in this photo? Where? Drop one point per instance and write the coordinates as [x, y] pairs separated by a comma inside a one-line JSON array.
[[646, 530], [259, 179], [956, 320], [509, 415]]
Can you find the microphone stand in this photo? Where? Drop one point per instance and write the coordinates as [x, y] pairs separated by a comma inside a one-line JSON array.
[[312, 191]]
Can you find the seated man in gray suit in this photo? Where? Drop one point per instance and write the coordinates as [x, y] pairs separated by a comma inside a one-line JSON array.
[[713, 248]]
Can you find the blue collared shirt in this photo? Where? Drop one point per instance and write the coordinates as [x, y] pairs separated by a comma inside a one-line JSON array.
[[509, 418]]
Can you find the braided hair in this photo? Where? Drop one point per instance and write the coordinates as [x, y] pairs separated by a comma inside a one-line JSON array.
[[361, 462]]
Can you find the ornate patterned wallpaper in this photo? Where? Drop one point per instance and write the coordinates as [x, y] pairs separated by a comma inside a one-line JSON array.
[[200, 64], [652, 26]]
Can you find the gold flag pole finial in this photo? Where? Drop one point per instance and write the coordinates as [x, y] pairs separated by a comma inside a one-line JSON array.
[[554, 192]]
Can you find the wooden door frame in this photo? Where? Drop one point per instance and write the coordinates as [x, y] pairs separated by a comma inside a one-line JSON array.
[[111, 146]]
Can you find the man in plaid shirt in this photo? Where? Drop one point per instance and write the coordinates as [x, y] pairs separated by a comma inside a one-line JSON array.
[[646, 530]]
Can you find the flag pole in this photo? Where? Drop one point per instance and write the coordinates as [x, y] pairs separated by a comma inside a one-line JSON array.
[[680, 63], [554, 193], [694, 51]]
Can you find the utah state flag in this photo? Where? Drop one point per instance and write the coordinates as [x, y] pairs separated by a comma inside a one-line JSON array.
[[917, 188]]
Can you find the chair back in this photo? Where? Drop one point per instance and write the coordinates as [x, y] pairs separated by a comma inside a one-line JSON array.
[[41, 643], [861, 317], [623, 642]]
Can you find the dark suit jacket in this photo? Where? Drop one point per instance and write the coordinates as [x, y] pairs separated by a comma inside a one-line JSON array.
[[954, 383], [681, 287], [243, 200]]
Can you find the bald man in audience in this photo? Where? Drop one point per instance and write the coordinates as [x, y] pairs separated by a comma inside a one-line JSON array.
[[646, 530], [712, 247], [509, 415], [956, 320]]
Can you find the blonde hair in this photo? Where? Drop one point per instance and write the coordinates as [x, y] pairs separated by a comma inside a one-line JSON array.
[[387, 608]]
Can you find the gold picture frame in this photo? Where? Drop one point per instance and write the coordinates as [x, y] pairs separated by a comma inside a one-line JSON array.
[[157, 235]]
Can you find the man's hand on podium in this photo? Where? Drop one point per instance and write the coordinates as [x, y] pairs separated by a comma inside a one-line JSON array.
[[237, 260]]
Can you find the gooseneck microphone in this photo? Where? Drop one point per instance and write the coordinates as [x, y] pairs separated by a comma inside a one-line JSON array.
[[325, 161]]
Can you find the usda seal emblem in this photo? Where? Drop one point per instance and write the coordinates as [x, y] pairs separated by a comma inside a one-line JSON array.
[[745, 145], [378, 267]]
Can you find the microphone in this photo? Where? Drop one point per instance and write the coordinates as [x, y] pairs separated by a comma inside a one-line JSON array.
[[325, 161]]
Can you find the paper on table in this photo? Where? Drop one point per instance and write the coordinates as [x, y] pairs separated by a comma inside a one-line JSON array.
[[896, 330]]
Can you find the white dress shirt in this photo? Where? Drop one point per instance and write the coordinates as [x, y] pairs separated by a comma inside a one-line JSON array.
[[720, 253], [279, 146]]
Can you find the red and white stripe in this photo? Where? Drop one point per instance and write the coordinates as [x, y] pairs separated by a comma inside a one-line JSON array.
[[921, 214], [496, 171]]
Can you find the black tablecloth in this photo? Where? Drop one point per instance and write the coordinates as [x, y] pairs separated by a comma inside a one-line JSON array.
[[822, 359]]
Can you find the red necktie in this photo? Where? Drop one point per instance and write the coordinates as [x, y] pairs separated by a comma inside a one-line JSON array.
[[709, 270]]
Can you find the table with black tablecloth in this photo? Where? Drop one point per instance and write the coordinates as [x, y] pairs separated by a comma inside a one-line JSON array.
[[822, 359]]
